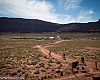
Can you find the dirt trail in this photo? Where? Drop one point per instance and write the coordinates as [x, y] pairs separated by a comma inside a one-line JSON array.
[[54, 43], [58, 42], [45, 51]]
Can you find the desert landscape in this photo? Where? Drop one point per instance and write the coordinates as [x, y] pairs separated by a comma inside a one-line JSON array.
[[49, 39], [24, 58]]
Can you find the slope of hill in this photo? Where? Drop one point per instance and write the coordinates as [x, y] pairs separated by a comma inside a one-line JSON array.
[[38, 26]]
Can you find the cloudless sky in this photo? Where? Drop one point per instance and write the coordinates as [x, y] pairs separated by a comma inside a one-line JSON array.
[[56, 11]]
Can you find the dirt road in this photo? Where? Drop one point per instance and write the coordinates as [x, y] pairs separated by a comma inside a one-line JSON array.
[[45, 51]]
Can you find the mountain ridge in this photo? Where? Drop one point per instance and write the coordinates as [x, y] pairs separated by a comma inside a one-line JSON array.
[[38, 26]]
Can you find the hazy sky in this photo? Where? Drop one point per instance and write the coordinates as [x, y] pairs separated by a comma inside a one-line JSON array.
[[57, 11]]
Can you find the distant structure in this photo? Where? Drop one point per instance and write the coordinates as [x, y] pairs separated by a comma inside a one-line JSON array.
[[58, 37], [31, 38], [51, 37]]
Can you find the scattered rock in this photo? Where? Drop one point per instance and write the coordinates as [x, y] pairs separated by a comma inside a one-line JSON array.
[[37, 72]]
